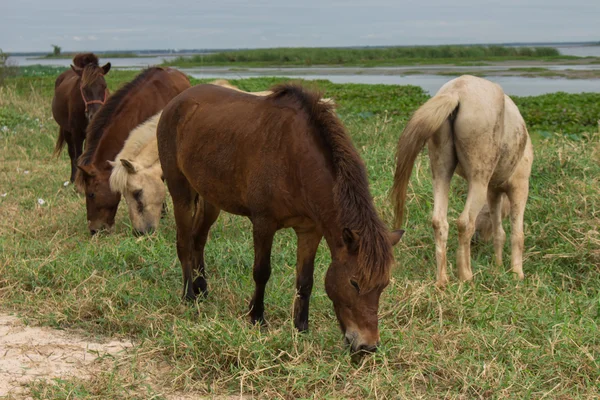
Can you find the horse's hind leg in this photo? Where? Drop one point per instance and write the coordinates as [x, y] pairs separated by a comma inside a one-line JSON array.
[[183, 207], [466, 226], [517, 194], [308, 243], [263, 232], [495, 200], [443, 162], [206, 214]]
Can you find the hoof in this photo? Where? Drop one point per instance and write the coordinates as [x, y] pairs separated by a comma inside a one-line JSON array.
[[442, 282], [466, 276], [189, 297], [519, 275], [258, 321], [256, 316], [200, 287], [301, 326]]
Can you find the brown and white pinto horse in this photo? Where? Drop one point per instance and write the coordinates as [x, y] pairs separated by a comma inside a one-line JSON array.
[[131, 105], [78, 94]]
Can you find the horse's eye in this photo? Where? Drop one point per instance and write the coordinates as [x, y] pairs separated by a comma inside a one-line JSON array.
[[353, 283], [92, 195], [137, 195]]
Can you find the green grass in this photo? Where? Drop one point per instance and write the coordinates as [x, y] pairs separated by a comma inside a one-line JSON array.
[[495, 338], [308, 56]]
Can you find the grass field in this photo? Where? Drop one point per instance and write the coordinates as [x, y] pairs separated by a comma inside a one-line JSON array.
[[308, 56], [495, 338]]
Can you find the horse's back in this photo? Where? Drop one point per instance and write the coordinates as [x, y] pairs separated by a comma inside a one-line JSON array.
[[62, 103], [205, 115], [130, 106], [233, 148], [178, 81]]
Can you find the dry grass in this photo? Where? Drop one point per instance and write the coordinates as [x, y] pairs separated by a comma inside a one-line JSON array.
[[494, 338]]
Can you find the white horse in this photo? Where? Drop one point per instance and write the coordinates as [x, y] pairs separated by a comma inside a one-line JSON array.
[[470, 124], [137, 173]]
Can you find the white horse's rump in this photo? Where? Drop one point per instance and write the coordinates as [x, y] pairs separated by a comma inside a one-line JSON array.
[[472, 127]]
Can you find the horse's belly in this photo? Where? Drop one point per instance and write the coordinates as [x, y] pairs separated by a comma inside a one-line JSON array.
[[511, 152], [219, 192]]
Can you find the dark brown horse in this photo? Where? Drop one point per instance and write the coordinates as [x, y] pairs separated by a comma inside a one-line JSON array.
[[78, 94], [283, 161], [131, 105]]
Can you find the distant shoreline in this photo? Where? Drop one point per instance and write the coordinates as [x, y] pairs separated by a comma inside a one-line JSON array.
[[190, 52]]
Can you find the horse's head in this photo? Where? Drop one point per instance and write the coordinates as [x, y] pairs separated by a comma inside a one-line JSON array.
[[356, 299], [101, 203], [92, 86], [144, 192]]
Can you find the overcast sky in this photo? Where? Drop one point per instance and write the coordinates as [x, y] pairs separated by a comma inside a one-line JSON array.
[[34, 25]]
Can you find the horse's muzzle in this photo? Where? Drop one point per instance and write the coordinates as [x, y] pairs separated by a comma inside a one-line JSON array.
[[353, 342]]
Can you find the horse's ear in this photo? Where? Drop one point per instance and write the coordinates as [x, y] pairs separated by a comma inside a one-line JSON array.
[[77, 70], [395, 236], [128, 166], [350, 240], [88, 171], [105, 68], [112, 163]]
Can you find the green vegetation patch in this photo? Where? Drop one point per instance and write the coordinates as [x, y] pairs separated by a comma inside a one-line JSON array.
[[366, 56], [494, 338]]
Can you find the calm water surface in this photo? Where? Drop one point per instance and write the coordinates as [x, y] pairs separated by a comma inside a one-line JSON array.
[[512, 85]]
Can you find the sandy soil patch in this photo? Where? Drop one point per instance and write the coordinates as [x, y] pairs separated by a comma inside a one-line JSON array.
[[28, 353]]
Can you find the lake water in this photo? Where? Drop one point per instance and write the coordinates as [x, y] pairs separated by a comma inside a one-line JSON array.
[[579, 51], [513, 85]]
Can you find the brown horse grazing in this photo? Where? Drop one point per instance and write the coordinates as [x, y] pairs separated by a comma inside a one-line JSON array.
[[78, 94], [131, 105], [283, 161]]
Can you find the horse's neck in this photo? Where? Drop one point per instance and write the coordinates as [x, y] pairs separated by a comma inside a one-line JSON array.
[[111, 143], [333, 237], [320, 204], [148, 155]]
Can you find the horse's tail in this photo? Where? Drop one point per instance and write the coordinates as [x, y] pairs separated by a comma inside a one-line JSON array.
[[60, 142], [423, 124]]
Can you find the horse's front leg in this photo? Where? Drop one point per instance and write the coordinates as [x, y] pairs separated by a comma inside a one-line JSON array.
[[263, 232], [308, 243]]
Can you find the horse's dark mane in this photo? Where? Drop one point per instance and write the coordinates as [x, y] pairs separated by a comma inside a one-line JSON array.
[[106, 113], [356, 210], [91, 69]]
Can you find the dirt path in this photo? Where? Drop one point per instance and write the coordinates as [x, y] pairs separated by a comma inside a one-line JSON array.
[[28, 353]]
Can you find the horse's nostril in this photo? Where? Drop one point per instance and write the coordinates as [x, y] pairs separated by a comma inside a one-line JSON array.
[[93, 231], [367, 348]]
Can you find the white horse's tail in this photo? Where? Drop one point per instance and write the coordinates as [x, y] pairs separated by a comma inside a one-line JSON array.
[[423, 124]]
